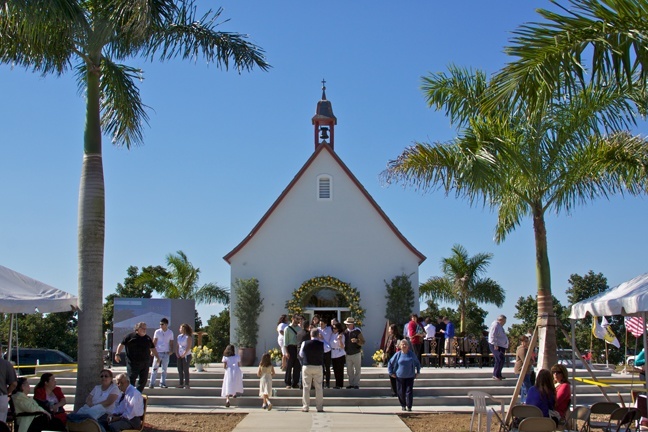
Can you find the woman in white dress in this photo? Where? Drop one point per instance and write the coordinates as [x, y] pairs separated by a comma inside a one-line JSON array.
[[281, 326], [233, 379]]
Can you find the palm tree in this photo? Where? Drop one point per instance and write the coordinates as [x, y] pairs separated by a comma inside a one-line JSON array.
[[597, 40], [93, 37], [462, 283], [525, 161], [180, 281]]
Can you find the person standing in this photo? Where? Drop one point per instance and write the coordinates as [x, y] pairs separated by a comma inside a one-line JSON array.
[[415, 333], [281, 326], [338, 354], [520, 355], [498, 343], [311, 354], [449, 336], [163, 341], [265, 372], [139, 348], [390, 349], [404, 367], [8, 383], [440, 336], [128, 411], [326, 332], [353, 341], [183, 354], [233, 378], [430, 331], [293, 367]]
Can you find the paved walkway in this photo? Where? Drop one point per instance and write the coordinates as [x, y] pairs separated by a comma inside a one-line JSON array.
[[336, 419]]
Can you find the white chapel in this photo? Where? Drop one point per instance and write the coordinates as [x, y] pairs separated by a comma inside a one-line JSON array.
[[324, 247]]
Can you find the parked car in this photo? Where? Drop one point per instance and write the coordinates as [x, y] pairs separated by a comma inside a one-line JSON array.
[[41, 356], [630, 361], [565, 359]]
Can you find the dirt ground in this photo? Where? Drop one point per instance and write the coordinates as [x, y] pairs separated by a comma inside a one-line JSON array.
[[157, 422]]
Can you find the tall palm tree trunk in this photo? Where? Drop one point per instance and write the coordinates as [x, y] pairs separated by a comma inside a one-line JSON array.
[[91, 233], [546, 317]]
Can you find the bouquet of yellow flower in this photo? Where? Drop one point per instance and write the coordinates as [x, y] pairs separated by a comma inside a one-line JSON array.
[[275, 354], [378, 356], [201, 355]]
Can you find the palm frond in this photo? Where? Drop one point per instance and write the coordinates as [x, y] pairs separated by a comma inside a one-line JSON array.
[[191, 37], [123, 113], [212, 293], [39, 34]]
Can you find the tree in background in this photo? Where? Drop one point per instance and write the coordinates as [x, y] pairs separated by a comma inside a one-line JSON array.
[[462, 283], [54, 331], [475, 316], [400, 300], [180, 281], [218, 330], [527, 313], [50, 37]]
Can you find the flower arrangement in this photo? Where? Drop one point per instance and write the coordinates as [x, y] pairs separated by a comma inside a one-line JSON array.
[[275, 354], [201, 355], [351, 295], [378, 356]]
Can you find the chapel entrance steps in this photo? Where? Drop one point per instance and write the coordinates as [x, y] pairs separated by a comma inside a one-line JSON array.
[[433, 388]]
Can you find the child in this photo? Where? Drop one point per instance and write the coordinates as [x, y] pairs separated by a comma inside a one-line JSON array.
[[265, 372], [233, 379]]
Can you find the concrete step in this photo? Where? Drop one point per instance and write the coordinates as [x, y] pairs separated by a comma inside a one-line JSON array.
[[435, 387]]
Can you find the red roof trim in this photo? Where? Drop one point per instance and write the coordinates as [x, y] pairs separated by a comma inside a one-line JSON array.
[[353, 178]]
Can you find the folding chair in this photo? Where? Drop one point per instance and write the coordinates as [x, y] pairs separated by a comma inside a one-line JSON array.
[[622, 419], [537, 424], [580, 413], [604, 408], [480, 399]]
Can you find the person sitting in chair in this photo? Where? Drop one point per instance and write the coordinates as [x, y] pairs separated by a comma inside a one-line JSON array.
[[128, 411]]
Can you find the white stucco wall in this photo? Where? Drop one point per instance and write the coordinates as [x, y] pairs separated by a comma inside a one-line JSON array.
[[345, 238]]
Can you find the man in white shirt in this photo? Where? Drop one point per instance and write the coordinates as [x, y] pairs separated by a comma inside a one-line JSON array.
[[128, 411], [163, 341], [498, 343]]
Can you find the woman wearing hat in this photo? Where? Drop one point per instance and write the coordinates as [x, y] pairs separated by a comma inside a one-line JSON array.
[[353, 346]]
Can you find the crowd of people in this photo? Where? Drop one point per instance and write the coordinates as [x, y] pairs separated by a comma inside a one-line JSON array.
[[310, 348]]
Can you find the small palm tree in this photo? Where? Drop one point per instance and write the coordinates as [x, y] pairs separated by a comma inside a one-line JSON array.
[[462, 283], [94, 37], [181, 282]]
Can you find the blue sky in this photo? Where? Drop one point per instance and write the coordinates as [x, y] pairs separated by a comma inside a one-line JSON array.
[[222, 146]]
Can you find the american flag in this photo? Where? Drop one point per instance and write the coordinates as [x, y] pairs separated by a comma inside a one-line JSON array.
[[634, 325]]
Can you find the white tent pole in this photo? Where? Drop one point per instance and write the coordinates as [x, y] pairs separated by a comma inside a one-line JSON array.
[[644, 314], [573, 344]]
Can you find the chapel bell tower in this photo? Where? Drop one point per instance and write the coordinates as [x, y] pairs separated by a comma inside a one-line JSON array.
[[324, 121]]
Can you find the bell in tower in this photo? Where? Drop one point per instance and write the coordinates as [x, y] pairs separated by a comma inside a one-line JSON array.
[[324, 121]]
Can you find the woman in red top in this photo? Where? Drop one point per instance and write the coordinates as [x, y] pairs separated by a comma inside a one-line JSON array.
[[563, 390], [50, 397]]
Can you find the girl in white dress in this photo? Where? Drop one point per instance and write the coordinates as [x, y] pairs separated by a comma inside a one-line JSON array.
[[265, 372], [233, 379]]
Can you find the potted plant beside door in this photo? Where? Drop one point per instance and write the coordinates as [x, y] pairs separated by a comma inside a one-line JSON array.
[[248, 305]]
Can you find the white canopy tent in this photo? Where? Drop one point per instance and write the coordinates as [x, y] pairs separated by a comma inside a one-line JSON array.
[[629, 298], [22, 294]]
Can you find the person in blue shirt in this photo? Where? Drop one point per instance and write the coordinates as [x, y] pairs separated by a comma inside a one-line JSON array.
[[404, 366], [449, 335], [543, 393]]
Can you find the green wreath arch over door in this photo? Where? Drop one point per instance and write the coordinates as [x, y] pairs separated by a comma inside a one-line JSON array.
[[296, 304]]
